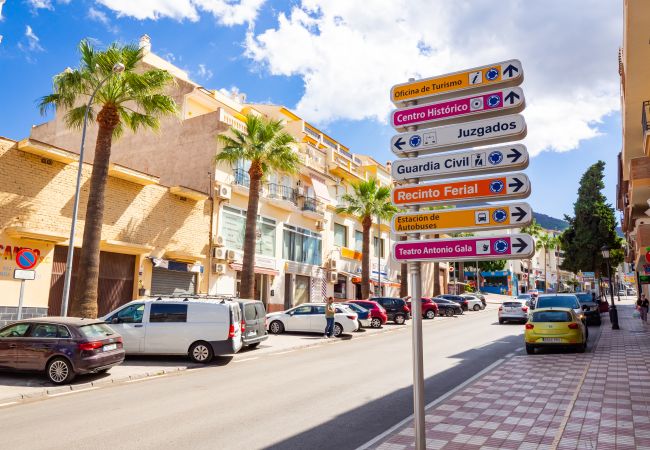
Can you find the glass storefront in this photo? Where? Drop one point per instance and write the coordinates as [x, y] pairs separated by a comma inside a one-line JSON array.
[[302, 246], [233, 228]]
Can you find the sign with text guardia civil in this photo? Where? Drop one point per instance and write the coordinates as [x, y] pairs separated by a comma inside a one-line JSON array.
[[488, 104], [510, 246], [505, 158], [460, 135], [506, 73]]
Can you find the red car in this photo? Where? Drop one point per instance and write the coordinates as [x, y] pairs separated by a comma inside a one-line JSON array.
[[378, 315], [429, 308]]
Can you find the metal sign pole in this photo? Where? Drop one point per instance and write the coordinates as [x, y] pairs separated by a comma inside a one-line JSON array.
[[416, 304], [20, 299]]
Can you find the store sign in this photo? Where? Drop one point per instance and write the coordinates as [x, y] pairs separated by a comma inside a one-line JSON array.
[[644, 279], [349, 253]]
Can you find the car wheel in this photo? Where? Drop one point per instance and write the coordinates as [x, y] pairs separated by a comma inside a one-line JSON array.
[[201, 352], [449, 312], [530, 349], [375, 323], [276, 327], [501, 321], [476, 308], [338, 330], [430, 314], [60, 371], [255, 345], [400, 319]]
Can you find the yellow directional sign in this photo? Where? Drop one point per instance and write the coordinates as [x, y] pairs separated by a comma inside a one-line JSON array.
[[475, 218], [506, 73]]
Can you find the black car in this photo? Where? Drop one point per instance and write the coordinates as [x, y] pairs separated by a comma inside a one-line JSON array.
[[590, 307], [396, 308], [447, 307], [253, 324], [458, 299]]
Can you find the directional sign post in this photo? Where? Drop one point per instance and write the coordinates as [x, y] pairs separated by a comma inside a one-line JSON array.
[[476, 218], [512, 246], [485, 160], [460, 135]]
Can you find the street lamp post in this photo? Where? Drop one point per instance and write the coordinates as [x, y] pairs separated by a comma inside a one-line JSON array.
[[613, 313], [117, 68], [379, 253]]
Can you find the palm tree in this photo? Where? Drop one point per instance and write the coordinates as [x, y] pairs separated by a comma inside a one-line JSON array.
[[133, 99], [547, 242], [268, 148], [534, 229], [367, 201]]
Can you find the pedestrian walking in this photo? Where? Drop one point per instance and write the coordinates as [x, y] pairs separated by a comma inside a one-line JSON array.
[[643, 304], [329, 317]]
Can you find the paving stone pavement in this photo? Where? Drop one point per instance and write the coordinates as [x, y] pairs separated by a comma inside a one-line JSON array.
[[596, 400]]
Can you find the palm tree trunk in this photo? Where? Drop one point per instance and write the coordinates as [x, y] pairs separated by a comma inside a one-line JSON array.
[[85, 298], [545, 272], [247, 287], [404, 275], [365, 260]]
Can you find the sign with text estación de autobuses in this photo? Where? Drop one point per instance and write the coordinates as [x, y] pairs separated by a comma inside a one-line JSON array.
[[512, 246], [506, 73], [504, 187], [493, 103], [488, 217]]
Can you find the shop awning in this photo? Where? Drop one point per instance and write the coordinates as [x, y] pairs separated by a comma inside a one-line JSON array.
[[260, 270], [320, 189]]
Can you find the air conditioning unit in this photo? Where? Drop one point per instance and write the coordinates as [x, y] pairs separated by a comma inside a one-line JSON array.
[[320, 225], [219, 253], [230, 255], [224, 192], [219, 241], [334, 277], [218, 268], [333, 264]]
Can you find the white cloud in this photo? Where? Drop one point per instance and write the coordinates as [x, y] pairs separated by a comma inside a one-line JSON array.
[[349, 55], [101, 17], [31, 42], [2, 3], [204, 73], [227, 12], [40, 4]]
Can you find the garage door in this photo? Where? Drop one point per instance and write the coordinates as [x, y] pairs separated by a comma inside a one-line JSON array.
[[172, 282]]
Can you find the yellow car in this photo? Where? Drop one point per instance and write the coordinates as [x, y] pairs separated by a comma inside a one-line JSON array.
[[555, 327]]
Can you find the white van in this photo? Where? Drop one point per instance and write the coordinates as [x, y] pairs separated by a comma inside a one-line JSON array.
[[176, 326]]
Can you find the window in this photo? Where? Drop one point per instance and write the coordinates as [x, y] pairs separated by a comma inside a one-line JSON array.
[[301, 245], [16, 330], [249, 312], [358, 241], [130, 314], [64, 332], [44, 330], [552, 316], [340, 288], [302, 310], [318, 309], [261, 312], [375, 244], [340, 235], [96, 331], [233, 229], [170, 312]]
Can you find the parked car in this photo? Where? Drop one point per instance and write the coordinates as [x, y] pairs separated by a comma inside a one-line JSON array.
[[429, 308], [463, 302], [310, 317], [552, 327], [590, 308], [480, 297], [528, 299], [199, 328], [513, 311], [447, 307], [561, 301], [630, 292], [253, 324], [62, 347], [474, 303], [534, 292], [363, 314], [378, 315], [622, 293], [396, 308]]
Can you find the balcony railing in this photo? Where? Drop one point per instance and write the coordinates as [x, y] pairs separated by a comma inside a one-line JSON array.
[[241, 178], [281, 192], [311, 204]]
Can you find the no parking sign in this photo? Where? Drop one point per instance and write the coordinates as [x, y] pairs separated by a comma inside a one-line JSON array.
[[26, 259]]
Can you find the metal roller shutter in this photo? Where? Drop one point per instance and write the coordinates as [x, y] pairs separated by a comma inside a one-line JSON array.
[[171, 282]]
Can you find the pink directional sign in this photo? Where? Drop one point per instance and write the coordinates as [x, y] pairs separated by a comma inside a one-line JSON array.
[[491, 103], [513, 246]]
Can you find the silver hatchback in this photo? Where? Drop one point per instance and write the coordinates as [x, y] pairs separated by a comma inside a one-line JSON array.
[[513, 311]]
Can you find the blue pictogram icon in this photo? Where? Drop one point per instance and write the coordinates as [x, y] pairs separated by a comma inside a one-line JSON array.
[[493, 101], [492, 74], [415, 140], [495, 157], [496, 186], [500, 246], [500, 215]]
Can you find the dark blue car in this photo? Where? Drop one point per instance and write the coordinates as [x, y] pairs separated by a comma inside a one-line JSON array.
[[362, 313]]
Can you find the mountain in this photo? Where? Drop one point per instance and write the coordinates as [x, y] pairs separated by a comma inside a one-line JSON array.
[[550, 223]]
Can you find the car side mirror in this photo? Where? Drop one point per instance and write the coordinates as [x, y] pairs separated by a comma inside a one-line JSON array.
[[115, 320]]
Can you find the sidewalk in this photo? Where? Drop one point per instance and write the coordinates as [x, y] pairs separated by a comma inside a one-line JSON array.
[[596, 400]]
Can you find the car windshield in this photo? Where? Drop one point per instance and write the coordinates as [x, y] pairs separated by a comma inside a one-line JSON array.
[[524, 297], [561, 301], [96, 331], [551, 316], [585, 298], [512, 304]]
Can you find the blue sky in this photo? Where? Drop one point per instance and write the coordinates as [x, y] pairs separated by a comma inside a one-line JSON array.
[[334, 62]]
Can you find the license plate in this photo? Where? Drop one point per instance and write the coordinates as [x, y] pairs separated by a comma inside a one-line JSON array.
[[552, 340], [109, 347]]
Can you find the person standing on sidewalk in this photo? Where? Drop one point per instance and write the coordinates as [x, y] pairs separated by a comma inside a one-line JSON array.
[[643, 304], [329, 317]]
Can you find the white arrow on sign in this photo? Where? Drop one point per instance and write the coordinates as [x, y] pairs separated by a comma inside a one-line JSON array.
[[454, 110], [504, 158], [460, 135]]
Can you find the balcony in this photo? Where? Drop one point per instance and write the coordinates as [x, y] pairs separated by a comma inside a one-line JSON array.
[[281, 196], [313, 208], [232, 121], [241, 181], [343, 164]]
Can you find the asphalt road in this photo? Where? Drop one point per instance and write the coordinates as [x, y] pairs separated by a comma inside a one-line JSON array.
[[338, 395]]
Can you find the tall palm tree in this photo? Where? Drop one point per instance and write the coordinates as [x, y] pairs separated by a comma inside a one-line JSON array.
[[268, 148], [133, 99], [535, 230], [547, 242], [367, 201]]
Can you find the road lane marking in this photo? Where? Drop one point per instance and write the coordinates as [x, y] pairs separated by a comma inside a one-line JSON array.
[[2, 405], [440, 399], [247, 359], [284, 353], [520, 349]]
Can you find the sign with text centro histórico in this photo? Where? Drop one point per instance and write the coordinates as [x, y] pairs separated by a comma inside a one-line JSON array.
[[506, 73], [509, 246], [485, 217], [504, 158], [488, 104], [503, 187]]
